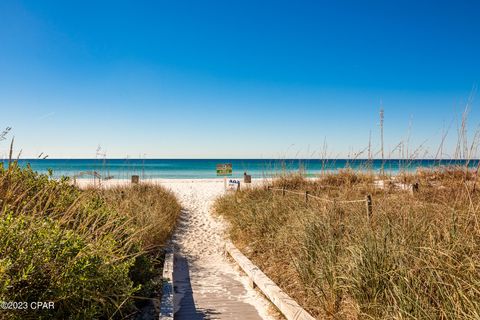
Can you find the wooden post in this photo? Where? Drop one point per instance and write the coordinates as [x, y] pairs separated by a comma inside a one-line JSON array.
[[306, 196], [414, 188], [135, 179], [368, 201], [283, 191]]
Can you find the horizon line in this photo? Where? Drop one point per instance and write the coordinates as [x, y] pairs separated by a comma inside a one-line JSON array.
[[265, 159]]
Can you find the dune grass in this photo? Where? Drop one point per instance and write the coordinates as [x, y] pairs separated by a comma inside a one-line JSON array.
[[417, 257], [94, 253], [149, 207]]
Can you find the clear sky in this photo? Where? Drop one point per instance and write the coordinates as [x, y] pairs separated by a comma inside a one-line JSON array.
[[234, 79]]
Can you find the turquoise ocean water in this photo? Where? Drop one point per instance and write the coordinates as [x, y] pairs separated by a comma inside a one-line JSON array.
[[205, 168]]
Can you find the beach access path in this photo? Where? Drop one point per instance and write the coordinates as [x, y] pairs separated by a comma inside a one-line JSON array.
[[207, 285]]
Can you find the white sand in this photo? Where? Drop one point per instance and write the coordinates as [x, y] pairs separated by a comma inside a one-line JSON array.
[[207, 283], [205, 183]]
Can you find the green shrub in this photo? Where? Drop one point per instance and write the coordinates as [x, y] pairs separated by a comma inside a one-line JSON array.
[[73, 248]]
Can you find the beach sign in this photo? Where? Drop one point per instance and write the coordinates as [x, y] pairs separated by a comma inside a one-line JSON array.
[[224, 169], [233, 184]]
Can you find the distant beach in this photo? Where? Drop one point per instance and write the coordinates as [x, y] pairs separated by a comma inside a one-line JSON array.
[[205, 168]]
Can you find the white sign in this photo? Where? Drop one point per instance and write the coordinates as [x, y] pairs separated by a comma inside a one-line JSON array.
[[233, 184]]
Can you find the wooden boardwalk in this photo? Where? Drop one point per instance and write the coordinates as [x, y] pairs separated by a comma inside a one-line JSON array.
[[206, 284], [201, 300]]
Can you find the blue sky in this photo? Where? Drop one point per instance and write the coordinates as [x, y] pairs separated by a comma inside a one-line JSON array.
[[243, 79]]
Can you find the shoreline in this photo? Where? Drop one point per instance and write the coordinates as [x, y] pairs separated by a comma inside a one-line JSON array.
[[199, 169], [90, 182]]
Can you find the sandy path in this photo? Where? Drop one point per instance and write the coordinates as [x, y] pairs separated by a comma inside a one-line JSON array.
[[208, 286]]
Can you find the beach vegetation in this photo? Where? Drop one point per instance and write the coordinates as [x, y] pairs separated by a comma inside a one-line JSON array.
[[416, 257], [94, 253]]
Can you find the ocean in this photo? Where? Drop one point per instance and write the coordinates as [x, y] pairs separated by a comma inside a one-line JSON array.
[[206, 168]]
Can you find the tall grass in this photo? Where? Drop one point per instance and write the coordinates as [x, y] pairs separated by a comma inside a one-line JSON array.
[[418, 257], [152, 209], [90, 252]]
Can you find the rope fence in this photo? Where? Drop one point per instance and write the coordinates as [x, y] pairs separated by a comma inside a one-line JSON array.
[[412, 188], [307, 195]]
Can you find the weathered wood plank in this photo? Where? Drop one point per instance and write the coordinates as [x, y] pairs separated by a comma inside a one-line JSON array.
[[289, 307], [167, 303]]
